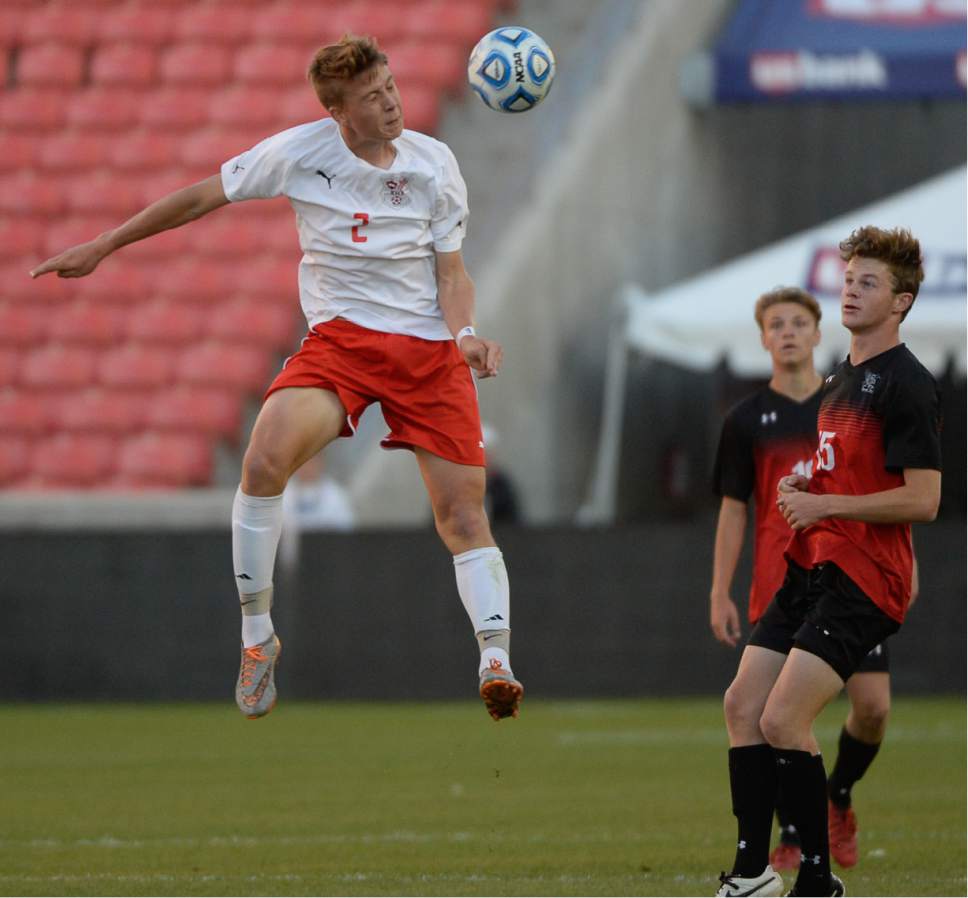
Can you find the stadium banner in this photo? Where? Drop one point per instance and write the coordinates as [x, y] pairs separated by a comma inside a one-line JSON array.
[[791, 50]]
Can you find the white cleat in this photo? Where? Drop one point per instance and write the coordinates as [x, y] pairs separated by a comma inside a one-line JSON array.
[[768, 882]]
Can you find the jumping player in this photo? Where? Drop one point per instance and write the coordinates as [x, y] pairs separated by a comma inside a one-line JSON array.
[[381, 214], [877, 469], [771, 433]]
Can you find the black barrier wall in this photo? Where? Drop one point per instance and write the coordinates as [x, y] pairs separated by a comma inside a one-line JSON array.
[[621, 612]]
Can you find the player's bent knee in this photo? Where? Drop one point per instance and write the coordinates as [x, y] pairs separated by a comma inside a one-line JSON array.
[[742, 711], [780, 730], [461, 521], [870, 720], [264, 473]]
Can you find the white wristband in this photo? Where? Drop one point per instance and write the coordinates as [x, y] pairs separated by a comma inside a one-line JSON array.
[[465, 332]]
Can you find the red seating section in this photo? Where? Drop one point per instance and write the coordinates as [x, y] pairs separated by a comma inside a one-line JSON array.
[[127, 379]]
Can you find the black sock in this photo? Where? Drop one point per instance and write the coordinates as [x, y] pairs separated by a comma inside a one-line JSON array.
[[803, 782], [788, 832], [853, 759], [752, 784]]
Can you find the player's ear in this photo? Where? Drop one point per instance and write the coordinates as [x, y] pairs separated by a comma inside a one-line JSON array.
[[763, 340], [816, 337], [903, 302]]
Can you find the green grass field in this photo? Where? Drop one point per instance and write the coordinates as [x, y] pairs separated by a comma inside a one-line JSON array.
[[575, 798]]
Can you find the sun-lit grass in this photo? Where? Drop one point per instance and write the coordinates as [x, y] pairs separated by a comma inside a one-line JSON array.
[[575, 798]]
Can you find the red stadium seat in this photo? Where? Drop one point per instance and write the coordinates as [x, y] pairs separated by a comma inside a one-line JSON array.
[[141, 24], [22, 323], [164, 321], [301, 23], [17, 151], [167, 245], [225, 365], [209, 149], [136, 365], [442, 66], [104, 193], [68, 459], [421, 108], [25, 193], [272, 325], [56, 366], [23, 237], [71, 231], [212, 411], [73, 152], [16, 285], [125, 65], [460, 23], [217, 24], [382, 19], [15, 452], [25, 413], [230, 236], [87, 323], [171, 459], [33, 109], [11, 26], [175, 108], [119, 280], [68, 24], [201, 64], [300, 105], [104, 411], [271, 64], [50, 65], [104, 109], [10, 365], [199, 281], [271, 277], [146, 151], [248, 108]]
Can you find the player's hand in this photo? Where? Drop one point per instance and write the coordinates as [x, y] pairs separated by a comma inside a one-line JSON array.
[[792, 483], [724, 620], [802, 510], [484, 356], [74, 262]]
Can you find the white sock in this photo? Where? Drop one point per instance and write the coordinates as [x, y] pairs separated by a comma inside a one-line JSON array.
[[493, 654], [256, 525], [482, 582], [256, 629]]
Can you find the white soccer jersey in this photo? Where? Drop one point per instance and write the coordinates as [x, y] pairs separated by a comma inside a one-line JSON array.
[[368, 235]]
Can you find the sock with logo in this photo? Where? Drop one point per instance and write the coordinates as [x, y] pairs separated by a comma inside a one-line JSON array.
[[752, 784], [788, 832], [482, 583], [256, 525], [853, 759], [803, 782]]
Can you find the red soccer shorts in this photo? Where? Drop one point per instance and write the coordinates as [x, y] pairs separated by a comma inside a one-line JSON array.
[[425, 388]]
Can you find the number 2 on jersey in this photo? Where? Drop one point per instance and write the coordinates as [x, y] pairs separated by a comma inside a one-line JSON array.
[[364, 219]]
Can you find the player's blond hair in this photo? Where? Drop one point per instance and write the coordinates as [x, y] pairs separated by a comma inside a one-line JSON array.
[[786, 294], [898, 248], [335, 64]]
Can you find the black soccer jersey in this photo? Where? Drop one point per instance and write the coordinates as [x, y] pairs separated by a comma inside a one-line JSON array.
[[875, 420], [764, 437]]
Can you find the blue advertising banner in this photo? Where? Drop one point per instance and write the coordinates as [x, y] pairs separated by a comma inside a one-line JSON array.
[[782, 50]]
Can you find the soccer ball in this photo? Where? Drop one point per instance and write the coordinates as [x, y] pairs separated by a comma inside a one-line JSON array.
[[511, 69]]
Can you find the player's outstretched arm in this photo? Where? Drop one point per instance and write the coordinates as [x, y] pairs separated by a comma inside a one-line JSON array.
[[730, 530], [455, 293], [171, 211]]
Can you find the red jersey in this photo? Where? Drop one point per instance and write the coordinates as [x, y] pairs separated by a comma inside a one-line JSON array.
[[764, 437], [875, 420]]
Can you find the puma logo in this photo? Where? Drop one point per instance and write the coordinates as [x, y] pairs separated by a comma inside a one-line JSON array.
[[329, 178]]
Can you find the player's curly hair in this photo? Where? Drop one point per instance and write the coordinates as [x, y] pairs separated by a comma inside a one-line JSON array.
[[335, 64], [786, 294], [898, 248]]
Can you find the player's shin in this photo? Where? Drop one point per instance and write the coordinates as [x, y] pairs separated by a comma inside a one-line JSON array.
[[752, 783], [482, 582], [256, 526]]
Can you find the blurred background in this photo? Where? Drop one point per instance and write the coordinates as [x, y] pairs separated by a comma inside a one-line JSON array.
[[688, 158]]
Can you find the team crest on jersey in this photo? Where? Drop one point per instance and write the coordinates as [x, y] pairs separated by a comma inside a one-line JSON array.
[[395, 191], [870, 382]]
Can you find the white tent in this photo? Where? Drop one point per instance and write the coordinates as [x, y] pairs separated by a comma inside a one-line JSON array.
[[709, 318]]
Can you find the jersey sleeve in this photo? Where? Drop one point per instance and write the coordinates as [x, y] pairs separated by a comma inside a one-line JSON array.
[[912, 425], [734, 474], [449, 222], [257, 174]]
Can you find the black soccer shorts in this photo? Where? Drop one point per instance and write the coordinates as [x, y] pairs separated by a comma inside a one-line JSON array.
[[822, 611]]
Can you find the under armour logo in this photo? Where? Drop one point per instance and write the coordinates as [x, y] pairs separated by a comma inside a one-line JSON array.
[[242, 577], [329, 179], [493, 617], [742, 844], [815, 860], [768, 418]]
